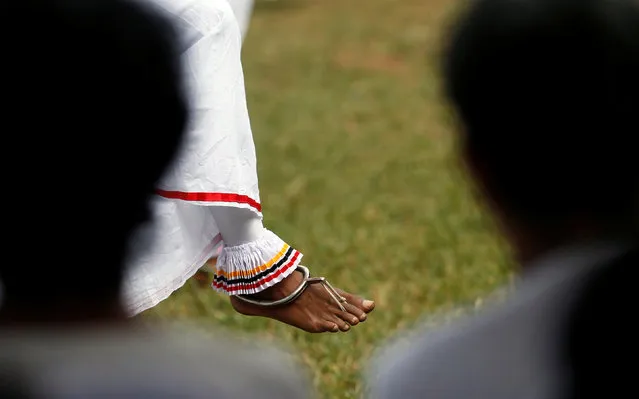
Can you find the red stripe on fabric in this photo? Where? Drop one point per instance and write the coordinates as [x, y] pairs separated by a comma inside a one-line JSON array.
[[261, 282], [211, 197]]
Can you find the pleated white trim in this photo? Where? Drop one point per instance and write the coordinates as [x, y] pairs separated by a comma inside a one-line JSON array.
[[252, 267]]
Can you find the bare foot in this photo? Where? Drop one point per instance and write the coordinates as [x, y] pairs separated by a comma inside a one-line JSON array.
[[314, 311]]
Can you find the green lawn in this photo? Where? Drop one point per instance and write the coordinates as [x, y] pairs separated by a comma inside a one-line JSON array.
[[358, 170]]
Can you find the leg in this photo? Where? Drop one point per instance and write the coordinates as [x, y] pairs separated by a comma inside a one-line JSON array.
[[243, 10], [202, 275]]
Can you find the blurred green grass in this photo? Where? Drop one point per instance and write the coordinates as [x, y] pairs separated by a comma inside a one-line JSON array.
[[357, 166]]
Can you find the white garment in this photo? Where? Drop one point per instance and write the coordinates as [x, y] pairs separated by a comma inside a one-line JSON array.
[[243, 10], [509, 352], [214, 176], [139, 364]]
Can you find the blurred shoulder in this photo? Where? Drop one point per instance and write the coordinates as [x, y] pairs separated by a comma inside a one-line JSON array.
[[153, 362], [239, 367]]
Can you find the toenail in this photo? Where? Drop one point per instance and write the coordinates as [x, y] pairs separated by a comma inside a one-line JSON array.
[[368, 304], [354, 320]]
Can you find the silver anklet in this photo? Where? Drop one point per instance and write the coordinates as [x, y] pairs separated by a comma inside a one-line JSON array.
[[306, 281]]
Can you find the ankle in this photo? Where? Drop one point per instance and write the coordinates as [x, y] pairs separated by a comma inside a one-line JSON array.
[[281, 289]]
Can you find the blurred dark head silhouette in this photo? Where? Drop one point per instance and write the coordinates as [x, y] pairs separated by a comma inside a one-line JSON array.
[[548, 96], [93, 111], [548, 92]]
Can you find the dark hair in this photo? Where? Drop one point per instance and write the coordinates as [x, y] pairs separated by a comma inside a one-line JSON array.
[[93, 111], [548, 93], [601, 336]]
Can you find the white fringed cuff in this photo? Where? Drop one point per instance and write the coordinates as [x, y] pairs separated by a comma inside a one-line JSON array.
[[252, 267]]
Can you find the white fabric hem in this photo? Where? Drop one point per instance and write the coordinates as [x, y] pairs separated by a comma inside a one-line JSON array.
[[145, 302]]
